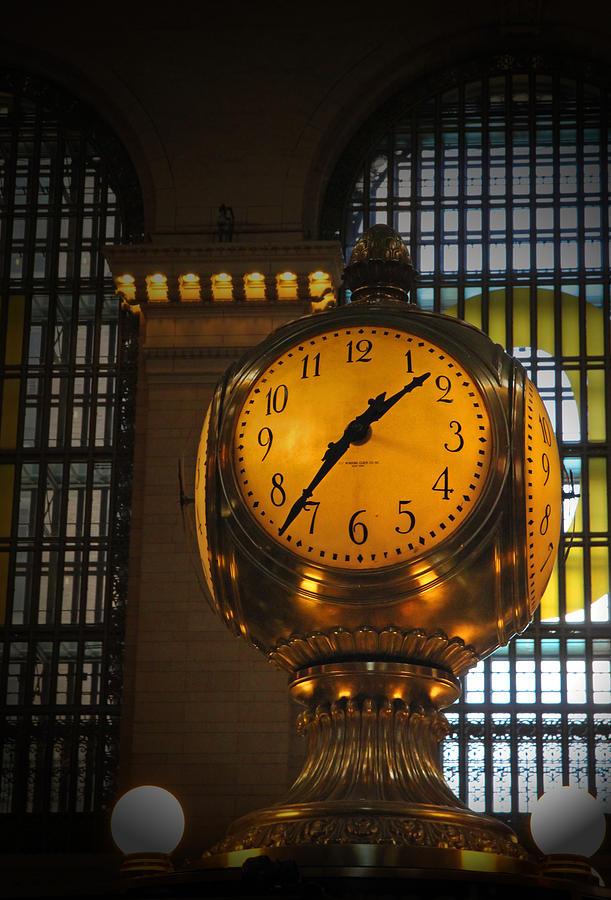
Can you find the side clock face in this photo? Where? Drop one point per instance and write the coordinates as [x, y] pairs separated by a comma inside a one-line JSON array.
[[362, 447], [543, 494]]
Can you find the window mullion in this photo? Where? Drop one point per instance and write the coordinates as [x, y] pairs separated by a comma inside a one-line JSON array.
[[461, 200]]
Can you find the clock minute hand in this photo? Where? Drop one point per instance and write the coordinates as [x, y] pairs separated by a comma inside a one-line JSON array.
[[388, 404], [354, 431]]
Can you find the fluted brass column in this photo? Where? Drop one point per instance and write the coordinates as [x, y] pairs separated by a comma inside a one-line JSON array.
[[372, 734]]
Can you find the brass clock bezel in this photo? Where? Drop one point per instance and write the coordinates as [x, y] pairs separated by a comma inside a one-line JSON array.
[[412, 575]]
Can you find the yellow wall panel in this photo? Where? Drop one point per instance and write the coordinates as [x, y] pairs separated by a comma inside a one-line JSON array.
[[599, 568], [595, 330], [597, 430], [570, 326]]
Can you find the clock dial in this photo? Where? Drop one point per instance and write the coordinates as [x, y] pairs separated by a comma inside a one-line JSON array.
[[543, 487], [200, 504], [362, 447]]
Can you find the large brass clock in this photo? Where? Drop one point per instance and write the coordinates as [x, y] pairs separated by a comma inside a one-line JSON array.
[[377, 456], [378, 507], [362, 446]]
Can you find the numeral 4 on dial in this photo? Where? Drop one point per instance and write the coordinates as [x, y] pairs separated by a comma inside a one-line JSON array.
[[442, 485]]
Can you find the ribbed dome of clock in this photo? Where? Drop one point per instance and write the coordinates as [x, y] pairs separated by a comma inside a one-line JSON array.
[[380, 267]]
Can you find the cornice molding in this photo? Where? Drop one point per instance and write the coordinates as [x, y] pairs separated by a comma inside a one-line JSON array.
[[152, 250], [188, 271]]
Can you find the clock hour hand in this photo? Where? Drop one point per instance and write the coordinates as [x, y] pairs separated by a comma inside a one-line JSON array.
[[356, 430], [333, 454]]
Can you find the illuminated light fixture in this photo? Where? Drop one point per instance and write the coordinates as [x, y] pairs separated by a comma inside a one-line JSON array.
[[222, 286], [254, 286], [321, 290], [126, 287], [318, 283], [286, 285], [147, 824], [156, 287], [568, 826], [189, 287]]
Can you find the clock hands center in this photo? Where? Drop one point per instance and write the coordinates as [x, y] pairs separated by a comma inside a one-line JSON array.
[[355, 432]]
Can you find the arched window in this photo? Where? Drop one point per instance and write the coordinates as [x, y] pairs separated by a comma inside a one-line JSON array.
[[497, 177], [67, 373]]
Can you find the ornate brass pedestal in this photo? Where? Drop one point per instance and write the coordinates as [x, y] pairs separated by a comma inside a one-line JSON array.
[[371, 792]]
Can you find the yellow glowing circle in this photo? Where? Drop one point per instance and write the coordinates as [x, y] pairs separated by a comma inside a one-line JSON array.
[[127, 279], [189, 277], [223, 276], [255, 276], [400, 486], [158, 278], [288, 276], [318, 275]]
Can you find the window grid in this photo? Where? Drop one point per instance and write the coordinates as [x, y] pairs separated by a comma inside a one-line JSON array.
[[501, 191], [67, 371]]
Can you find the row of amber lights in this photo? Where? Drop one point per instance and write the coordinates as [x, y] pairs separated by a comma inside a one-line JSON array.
[[222, 286]]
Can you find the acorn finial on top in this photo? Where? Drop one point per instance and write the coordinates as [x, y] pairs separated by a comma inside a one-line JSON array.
[[380, 267]]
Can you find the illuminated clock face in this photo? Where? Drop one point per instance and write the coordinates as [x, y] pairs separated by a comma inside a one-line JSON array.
[[543, 486], [362, 447]]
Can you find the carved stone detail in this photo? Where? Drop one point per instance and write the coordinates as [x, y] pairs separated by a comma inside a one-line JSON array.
[[414, 646]]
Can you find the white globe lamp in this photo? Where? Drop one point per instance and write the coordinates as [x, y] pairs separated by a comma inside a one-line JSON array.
[[147, 825], [568, 826]]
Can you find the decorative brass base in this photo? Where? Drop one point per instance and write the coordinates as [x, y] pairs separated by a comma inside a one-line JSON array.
[[143, 864], [372, 778], [565, 865], [392, 824]]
